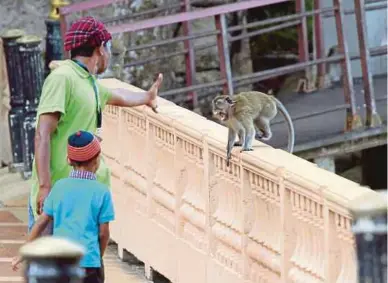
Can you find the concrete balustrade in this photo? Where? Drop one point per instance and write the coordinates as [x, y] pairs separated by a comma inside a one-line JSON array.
[[269, 217]]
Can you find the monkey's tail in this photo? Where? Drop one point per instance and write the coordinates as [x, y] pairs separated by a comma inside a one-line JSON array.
[[290, 125]]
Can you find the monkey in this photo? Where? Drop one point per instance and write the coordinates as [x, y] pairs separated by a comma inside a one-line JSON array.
[[248, 115]]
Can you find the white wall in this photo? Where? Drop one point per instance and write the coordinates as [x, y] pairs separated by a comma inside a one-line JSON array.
[[376, 22]]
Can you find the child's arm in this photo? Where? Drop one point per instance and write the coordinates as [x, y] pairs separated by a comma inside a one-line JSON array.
[[105, 216], [104, 235], [37, 229], [39, 226]]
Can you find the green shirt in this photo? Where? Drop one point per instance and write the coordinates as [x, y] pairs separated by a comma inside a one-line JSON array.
[[69, 90]]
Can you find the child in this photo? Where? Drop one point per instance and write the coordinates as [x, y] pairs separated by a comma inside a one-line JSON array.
[[80, 207]]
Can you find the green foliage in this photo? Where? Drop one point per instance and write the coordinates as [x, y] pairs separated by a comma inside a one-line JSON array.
[[284, 40], [147, 5]]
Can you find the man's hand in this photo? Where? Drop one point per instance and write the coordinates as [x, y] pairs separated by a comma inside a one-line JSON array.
[[42, 195], [153, 93], [15, 262]]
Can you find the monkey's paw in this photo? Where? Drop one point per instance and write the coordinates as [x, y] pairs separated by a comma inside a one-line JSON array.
[[265, 138], [247, 149], [262, 136]]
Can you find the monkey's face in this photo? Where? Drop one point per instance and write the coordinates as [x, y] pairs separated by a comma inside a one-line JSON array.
[[222, 106]]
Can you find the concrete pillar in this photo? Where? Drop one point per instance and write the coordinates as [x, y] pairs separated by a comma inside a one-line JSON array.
[[16, 99], [326, 162], [370, 231]]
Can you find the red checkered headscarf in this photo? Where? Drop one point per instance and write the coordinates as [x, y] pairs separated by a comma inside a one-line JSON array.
[[86, 31]]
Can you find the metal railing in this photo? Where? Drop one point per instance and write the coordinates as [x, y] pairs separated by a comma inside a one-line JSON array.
[[228, 82]]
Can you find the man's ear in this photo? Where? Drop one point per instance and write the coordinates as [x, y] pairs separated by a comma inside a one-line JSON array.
[[101, 50]]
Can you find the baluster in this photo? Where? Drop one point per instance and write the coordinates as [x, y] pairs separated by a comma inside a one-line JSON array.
[[353, 120], [372, 117]]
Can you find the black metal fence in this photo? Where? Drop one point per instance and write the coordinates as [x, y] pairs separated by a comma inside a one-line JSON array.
[[25, 74]]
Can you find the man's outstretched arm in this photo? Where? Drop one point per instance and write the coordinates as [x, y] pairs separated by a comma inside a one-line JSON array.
[[47, 124], [127, 98]]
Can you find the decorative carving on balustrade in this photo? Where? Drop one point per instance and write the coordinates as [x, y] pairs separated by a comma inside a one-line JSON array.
[[192, 192], [111, 155], [162, 152], [111, 118], [226, 211], [111, 111], [134, 132], [308, 257], [111, 152], [263, 243], [259, 220], [345, 237]]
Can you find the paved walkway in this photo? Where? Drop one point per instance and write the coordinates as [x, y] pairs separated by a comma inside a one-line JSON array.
[[13, 233]]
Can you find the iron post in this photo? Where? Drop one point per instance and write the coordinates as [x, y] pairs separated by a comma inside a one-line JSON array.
[[32, 81], [223, 51], [370, 231], [16, 114], [51, 259], [189, 58], [31, 65], [15, 124], [372, 117], [300, 7], [63, 25], [353, 119], [54, 49], [319, 45], [13, 65]]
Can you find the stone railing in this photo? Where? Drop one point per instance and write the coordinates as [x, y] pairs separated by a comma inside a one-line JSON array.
[[269, 217]]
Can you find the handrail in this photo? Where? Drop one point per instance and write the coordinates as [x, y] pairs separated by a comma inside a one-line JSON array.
[[143, 13], [192, 15], [270, 216]]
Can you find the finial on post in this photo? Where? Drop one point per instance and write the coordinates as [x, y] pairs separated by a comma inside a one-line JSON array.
[[54, 9], [54, 44], [51, 259]]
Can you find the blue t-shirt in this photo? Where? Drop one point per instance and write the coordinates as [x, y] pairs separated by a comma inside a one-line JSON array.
[[78, 206]]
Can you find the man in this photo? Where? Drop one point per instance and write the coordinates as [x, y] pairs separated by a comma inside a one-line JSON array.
[[72, 99]]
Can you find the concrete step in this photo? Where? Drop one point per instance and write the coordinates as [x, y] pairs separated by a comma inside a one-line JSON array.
[[13, 279], [6, 270], [7, 217], [9, 249], [13, 232]]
